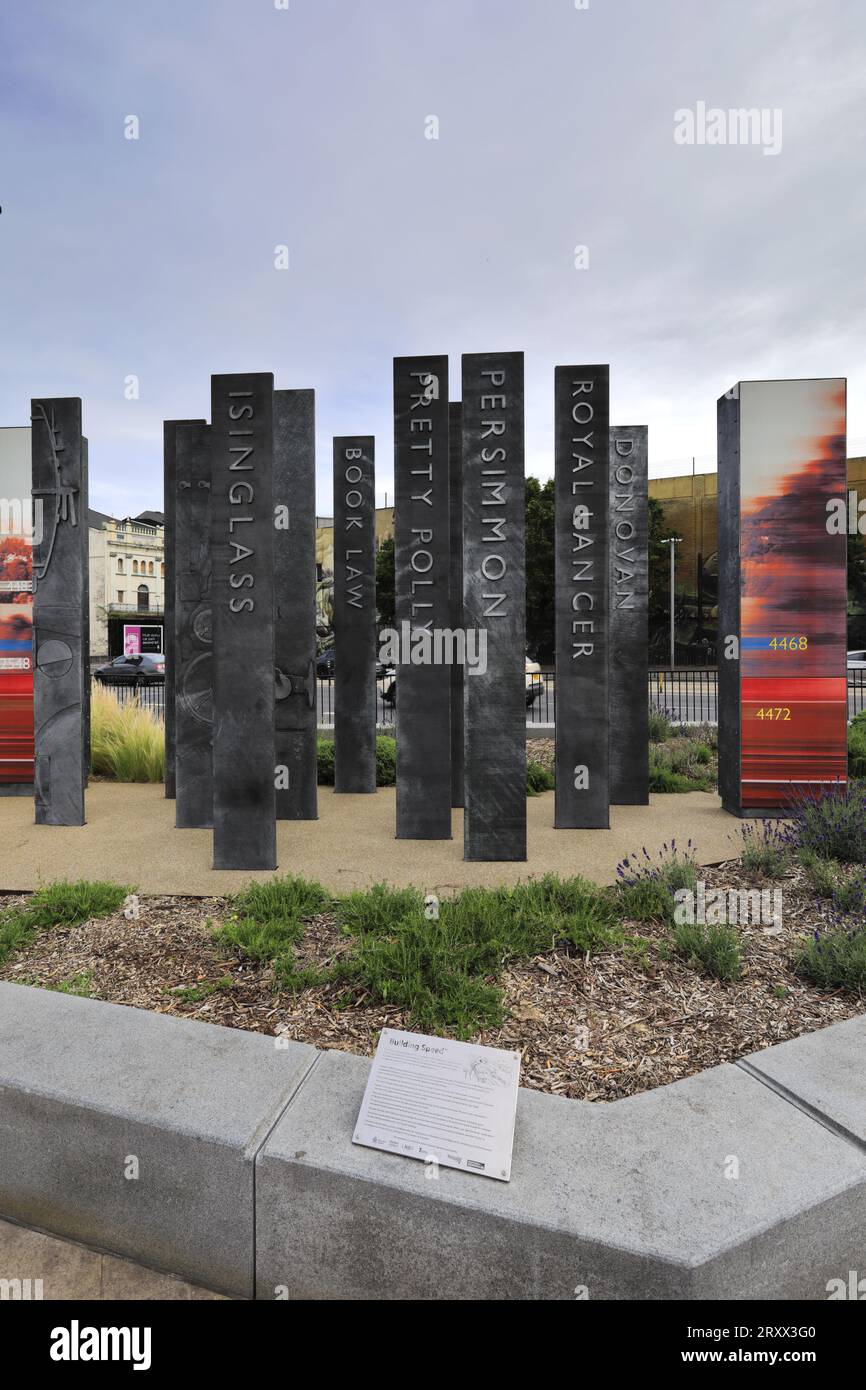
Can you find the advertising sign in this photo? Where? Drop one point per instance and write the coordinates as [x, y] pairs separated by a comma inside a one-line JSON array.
[[141, 641], [16, 610]]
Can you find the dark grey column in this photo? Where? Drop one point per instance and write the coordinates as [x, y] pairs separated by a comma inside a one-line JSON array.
[[191, 673], [355, 614], [169, 491], [422, 595], [629, 617], [242, 518], [295, 597], [494, 602], [58, 611], [582, 490], [455, 482], [729, 705]]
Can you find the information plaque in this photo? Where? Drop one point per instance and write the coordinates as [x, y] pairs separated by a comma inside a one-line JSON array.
[[448, 1103]]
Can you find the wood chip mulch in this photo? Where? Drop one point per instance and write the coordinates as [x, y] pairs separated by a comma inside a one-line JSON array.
[[596, 1028]]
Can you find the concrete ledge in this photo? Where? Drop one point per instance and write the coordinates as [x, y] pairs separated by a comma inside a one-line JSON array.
[[630, 1200], [747, 1181], [88, 1089]]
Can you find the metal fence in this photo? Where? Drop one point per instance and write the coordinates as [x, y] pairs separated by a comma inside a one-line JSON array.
[[687, 696]]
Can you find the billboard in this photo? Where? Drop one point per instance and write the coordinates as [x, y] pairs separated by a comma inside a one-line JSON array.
[[142, 640], [16, 611], [783, 593]]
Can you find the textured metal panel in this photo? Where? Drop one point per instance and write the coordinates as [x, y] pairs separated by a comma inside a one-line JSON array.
[[355, 614], [629, 617]]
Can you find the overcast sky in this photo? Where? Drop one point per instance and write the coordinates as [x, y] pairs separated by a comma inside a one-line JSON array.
[[307, 127]]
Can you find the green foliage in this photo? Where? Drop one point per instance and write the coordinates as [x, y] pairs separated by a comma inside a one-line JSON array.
[[540, 568], [857, 746], [832, 824], [646, 886], [127, 741], [538, 779], [441, 971], [58, 904], [765, 849], [268, 922], [659, 725], [385, 583], [194, 994], [79, 985], [386, 761], [834, 959], [714, 949]]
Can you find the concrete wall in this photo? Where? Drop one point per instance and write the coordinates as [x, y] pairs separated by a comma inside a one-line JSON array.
[[226, 1158]]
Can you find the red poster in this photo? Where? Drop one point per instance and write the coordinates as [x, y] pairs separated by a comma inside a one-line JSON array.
[[793, 590]]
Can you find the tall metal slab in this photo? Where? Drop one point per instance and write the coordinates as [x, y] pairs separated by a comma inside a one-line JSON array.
[[422, 600], [455, 506], [582, 504], [494, 605], [85, 612], [191, 673], [169, 492], [242, 548], [59, 565], [629, 616], [355, 614], [783, 522], [295, 600]]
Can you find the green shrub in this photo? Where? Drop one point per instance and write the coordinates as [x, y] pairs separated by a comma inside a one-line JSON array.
[[834, 959], [831, 824], [538, 779], [386, 761], [127, 741], [857, 746], [58, 904], [646, 886], [766, 849], [659, 725], [715, 949]]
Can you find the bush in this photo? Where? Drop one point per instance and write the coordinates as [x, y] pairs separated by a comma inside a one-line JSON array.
[[645, 886], [386, 761], [766, 849], [659, 724], [715, 949], [857, 746], [268, 921], [538, 779], [835, 959], [679, 769], [832, 825], [127, 741]]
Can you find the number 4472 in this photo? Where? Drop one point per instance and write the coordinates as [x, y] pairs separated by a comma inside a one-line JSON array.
[[774, 712]]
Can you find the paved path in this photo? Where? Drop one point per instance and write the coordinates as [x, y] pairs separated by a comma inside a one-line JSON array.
[[130, 838]]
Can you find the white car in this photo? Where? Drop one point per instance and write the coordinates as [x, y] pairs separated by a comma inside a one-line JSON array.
[[857, 661]]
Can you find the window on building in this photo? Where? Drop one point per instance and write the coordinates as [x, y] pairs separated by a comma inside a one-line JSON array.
[[120, 564], [120, 596], [150, 568], [135, 567], [162, 571], [143, 598]]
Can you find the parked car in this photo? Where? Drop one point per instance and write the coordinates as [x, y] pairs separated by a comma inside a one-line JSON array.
[[325, 666], [133, 670], [857, 661], [534, 685]]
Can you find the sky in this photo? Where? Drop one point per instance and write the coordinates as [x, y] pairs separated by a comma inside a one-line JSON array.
[[131, 269]]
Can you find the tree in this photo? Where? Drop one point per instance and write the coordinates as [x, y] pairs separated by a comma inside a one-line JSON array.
[[385, 584], [540, 581]]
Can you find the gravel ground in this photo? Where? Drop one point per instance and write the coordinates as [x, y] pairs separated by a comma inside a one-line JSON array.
[[596, 1028]]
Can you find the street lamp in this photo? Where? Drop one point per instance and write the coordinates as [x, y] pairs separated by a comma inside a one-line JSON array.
[[672, 541]]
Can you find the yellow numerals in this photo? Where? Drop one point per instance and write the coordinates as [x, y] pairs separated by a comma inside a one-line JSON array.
[[774, 712], [789, 644]]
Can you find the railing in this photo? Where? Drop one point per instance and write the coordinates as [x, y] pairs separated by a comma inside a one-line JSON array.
[[688, 696]]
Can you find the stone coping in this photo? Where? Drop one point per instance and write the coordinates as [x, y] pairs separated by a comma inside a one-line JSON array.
[[225, 1158]]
